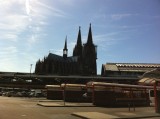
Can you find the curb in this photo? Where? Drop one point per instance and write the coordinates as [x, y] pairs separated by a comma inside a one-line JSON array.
[[80, 116], [138, 117], [63, 105], [141, 117]]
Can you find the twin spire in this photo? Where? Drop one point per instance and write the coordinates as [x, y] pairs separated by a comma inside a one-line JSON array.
[[79, 43]]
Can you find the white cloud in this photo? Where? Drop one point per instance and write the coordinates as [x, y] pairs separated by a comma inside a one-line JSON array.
[[19, 15], [9, 36], [104, 41], [38, 14], [68, 3], [22, 26], [13, 19], [16, 25], [32, 39], [27, 7], [119, 16], [8, 50], [52, 10], [8, 58], [17, 61]]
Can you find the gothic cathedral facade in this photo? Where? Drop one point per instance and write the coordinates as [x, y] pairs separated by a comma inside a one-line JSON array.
[[83, 61]]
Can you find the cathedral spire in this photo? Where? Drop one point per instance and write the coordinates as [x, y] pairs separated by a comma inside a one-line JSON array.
[[89, 40], [79, 41], [89, 56], [65, 45], [78, 47], [65, 50]]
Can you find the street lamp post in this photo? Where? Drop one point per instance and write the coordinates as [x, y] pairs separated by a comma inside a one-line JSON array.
[[30, 70]]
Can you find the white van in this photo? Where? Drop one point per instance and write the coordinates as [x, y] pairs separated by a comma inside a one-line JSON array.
[[35, 93]]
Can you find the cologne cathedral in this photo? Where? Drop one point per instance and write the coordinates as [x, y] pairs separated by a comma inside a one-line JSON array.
[[83, 61]]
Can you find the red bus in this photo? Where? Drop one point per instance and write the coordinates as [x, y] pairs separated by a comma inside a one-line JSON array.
[[112, 94]]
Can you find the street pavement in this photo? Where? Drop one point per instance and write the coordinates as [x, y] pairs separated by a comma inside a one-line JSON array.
[[27, 108], [40, 108], [103, 112]]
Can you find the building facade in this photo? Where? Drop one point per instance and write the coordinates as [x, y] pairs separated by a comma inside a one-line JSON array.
[[83, 61], [127, 69]]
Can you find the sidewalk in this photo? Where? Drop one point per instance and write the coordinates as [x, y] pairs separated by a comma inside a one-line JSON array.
[[117, 115], [94, 112], [61, 103]]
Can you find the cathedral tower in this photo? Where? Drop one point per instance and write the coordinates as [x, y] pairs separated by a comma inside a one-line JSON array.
[[89, 56]]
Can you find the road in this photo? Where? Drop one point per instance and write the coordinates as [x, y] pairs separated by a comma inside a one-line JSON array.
[[27, 108]]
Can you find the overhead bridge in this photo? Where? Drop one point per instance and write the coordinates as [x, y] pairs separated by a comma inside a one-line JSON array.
[[34, 80]]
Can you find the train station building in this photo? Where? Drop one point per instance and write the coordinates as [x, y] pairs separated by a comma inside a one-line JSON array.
[[127, 69]]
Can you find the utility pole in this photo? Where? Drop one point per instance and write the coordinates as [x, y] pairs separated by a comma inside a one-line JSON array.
[[30, 70]]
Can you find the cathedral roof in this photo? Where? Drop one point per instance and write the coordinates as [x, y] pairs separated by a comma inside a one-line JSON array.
[[61, 59]]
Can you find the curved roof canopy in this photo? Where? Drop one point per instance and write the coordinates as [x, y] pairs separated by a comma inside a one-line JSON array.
[[150, 77]]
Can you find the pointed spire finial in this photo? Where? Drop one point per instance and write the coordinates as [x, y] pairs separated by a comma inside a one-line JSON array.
[[89, 40], [79, 42], [65, 46], [65, 50]]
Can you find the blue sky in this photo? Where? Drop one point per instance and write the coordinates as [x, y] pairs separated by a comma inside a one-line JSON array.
[[125, 31]]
